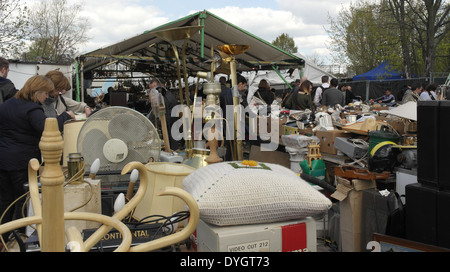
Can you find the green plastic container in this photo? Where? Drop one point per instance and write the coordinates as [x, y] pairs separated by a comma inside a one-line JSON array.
[[317, 170], [382, 135]]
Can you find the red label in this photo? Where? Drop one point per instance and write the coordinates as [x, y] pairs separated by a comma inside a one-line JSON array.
[[293, 237]]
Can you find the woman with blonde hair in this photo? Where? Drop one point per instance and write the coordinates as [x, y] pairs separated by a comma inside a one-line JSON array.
[[58, 102], [22, 121]]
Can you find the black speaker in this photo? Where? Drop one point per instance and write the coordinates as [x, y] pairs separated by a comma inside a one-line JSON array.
[[444, 145], [421, 213], [428, 142], [443, 219]]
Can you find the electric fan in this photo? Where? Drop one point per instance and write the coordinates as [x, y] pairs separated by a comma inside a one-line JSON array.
[[116, 136]]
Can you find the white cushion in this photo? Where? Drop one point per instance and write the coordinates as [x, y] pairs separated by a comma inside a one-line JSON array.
[[230, 193]]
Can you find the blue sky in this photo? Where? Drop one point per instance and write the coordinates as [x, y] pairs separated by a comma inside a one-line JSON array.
[[304, 20]]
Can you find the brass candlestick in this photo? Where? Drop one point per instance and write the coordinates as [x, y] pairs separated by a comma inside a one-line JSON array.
[[177, 34], [229, 51]]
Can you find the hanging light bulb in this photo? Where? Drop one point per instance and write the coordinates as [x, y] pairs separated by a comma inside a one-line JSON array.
[[119, 203], [94, 168], [133, 177]]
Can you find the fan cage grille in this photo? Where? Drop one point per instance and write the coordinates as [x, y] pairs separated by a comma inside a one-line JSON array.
[[128, 125]]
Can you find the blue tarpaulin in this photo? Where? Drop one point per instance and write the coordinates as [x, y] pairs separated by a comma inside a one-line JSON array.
[[383, 71]]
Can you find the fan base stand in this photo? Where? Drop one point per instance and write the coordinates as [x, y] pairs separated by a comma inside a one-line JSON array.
[[170, 157]]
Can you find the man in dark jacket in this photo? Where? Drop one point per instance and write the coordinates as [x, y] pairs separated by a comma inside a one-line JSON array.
[[7, 88], [348, 94], [332, 96]]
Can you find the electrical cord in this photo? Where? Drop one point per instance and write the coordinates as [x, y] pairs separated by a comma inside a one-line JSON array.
[[163, 228], [77, 176], [167, 221], [331, 189], [4, 213], [363, 160]]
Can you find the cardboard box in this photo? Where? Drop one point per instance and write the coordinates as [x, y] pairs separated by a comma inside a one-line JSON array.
[[268, 129], [307, 132], [287, 236], [350, 194], [268, 120], [290, 128], [278, 157], [397, 123], [327, 138]]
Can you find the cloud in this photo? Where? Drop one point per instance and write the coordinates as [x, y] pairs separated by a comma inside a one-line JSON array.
[[262, 22], [313, 12], [268, 24], [113, 21], [304, 21]]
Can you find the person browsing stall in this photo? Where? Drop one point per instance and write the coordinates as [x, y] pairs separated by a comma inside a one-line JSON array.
[[317, 99], [301, 99], [388, 98], [226, 103], [412, 94], [22, 121], [7, 88], [264, 93], [349, 97], [332, 96], [170, 102], [429, 93], [58, 102]]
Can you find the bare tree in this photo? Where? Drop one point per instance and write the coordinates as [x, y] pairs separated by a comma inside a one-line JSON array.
[[57, 30], [356, 37], [407, 33], [432, 26], [13, 24], [397, 8]]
